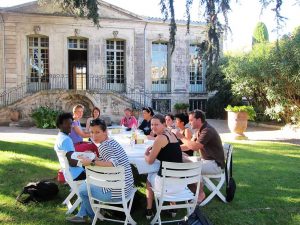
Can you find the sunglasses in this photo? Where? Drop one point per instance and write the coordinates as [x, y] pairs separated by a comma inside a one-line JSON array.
[[97, 122]]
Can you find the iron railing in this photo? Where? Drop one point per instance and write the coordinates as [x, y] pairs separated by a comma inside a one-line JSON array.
[[96, 83]]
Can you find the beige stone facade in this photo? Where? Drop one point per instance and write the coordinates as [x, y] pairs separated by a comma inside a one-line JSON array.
[[19, 23]]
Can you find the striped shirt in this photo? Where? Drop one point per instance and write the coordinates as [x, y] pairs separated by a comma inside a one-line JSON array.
[[111, 151]]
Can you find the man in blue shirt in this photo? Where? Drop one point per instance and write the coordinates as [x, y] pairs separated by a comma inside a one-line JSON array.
[[64, 142]]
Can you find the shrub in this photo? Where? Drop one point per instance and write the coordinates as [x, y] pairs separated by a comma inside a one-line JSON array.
[[244, 108], [181, 106], [45, 117]]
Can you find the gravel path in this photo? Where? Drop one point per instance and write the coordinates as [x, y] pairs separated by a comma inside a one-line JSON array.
[[253, 133]]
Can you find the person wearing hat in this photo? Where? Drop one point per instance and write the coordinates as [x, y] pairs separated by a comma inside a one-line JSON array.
[[146, 123]]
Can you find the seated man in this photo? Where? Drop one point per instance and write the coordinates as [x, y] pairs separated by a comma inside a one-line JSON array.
[[111, 154], [208, 143], [64, 142]]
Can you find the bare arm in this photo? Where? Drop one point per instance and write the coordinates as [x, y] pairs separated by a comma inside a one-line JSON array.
[[87, 127], [151, 154], [193, 145], [81, 133], [72, 162], [87, 162]]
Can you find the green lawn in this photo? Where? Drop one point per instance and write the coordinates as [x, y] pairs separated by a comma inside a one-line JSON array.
[[267, 176]]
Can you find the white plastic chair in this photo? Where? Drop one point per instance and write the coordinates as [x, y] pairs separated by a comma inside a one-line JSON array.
[[74, 185], [220, 178], [109, 177], [178, 174]]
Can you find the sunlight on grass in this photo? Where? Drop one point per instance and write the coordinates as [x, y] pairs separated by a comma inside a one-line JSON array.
[[267, 176]]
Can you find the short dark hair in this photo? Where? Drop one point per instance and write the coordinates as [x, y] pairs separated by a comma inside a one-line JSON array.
[[100, 123], [160, 117], [170, 115], [61, 117], [149, 110], [182, 117], [198, 114]]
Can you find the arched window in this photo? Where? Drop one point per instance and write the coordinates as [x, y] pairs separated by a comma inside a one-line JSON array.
[[115, 61], [38, 58]]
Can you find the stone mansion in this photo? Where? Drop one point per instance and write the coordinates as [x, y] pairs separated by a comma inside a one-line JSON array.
[[49, 58]]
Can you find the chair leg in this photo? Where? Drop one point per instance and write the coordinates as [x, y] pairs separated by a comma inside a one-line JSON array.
[[68, 198], [74, 206], [127, 213], [158, 204], [96, 216], [215, 190]]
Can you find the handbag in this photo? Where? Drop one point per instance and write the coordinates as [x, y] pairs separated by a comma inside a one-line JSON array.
[[196, 218], [230, 182]]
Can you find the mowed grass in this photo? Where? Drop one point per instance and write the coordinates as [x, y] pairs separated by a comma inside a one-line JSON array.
[[267, 176]]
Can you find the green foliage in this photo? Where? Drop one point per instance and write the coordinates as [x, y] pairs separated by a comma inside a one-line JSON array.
[[45, 117], [260, 34], [181, 106], [244, 108], [268, 77]]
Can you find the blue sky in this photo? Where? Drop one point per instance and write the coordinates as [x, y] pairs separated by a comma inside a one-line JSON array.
[[243, 17]]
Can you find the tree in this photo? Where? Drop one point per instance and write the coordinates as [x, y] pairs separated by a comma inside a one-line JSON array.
[[260, 34], [268, 77]]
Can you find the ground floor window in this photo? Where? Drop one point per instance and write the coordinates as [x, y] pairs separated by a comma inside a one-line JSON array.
[[198, 104], [162, 105]]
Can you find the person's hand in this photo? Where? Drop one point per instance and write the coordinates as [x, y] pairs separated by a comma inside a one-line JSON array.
[[148, 150], [85, 161]]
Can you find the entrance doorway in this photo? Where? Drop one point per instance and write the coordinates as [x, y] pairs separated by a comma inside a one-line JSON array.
[[77, 62], [78, 69]]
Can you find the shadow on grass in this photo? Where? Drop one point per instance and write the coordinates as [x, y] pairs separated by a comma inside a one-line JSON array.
[[44, 151]]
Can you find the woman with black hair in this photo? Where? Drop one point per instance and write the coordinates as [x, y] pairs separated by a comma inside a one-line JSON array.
[[181, 120], [146, 123]]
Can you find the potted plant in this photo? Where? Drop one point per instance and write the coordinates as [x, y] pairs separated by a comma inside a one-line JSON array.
[[181, 107], [238, 117]]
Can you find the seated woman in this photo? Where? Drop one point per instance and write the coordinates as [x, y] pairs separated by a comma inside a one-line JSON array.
[[165, 148], [181, 121], [170, 121], [77, 134], [146, 123], [95, 115], [128, 120], [111, 154], [64, 142]]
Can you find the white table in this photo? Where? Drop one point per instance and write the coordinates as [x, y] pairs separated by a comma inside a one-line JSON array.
[[135, 153]]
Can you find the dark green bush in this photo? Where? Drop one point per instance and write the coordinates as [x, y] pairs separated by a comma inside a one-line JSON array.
[[45, 117]]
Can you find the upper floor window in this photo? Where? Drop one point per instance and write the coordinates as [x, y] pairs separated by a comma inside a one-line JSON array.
[[195, 66], [159, 63], [115, 61], [77, 43], [38, 54]]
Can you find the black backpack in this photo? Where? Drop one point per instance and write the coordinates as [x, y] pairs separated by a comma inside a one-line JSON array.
[[230, 183], [196, 218], [39, 192]]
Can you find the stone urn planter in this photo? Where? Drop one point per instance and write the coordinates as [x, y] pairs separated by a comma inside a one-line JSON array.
[[237, 123], [238, 117]]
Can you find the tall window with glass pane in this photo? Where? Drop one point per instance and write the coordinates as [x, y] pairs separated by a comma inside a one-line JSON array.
[[38, 54], [115, 61], [195, 65], [159, 65]]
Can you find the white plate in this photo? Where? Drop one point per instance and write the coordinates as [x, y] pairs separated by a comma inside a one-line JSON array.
[[88, 155]]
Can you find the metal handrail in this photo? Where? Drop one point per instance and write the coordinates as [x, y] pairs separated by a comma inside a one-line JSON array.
[[97, 83]]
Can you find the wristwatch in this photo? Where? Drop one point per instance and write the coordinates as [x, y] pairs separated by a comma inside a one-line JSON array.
[[93, 162]]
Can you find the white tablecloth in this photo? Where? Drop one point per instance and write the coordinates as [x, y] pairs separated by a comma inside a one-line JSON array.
[[136, 153]]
